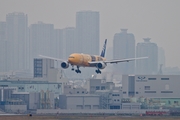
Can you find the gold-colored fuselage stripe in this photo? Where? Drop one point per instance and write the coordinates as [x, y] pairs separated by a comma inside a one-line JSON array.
[[83, 59]]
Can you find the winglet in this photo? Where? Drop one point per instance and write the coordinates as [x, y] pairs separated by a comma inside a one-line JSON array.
[[104, 49]]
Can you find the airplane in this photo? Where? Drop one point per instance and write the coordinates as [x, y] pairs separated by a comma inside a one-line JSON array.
[[86, 60]]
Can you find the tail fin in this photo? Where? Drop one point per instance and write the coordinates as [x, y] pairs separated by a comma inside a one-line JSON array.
[[104, 49]]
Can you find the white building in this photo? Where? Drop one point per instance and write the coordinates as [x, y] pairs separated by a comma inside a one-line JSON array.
[[151, 86]]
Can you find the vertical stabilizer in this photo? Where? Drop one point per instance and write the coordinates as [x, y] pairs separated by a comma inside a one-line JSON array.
[[104, 49]]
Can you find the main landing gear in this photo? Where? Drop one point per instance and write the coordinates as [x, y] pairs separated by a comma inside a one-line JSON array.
[[77, 70], [98, 71]]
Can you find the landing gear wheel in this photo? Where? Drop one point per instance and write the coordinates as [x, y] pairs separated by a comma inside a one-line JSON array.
[[77, 70], [98, 71]]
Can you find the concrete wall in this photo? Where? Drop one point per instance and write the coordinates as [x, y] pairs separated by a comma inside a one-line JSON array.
[[98, 111], [16, 108]]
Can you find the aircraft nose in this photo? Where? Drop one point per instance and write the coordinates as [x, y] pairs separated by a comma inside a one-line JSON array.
[[71, 58]]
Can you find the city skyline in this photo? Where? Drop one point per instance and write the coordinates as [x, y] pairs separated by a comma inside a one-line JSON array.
[[56, 40], [155, 19]]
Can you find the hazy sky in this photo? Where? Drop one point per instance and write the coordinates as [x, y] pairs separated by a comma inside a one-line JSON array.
[[157, 19]]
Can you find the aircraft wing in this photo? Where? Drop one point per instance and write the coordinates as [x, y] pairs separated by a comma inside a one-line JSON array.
[[51, 58], [124, 60], [117, 60]]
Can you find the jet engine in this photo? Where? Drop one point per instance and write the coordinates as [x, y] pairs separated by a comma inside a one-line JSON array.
[[64, 64], [101, 65]]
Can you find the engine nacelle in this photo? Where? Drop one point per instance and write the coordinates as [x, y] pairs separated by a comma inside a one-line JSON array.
[[65, 65], [101, 65]]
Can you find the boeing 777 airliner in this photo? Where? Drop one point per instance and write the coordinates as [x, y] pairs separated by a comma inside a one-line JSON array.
[[86, 60]]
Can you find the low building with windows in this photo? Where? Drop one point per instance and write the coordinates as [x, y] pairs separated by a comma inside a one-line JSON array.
[[99, 84], [152, 91], [69, 89], [151, 86]]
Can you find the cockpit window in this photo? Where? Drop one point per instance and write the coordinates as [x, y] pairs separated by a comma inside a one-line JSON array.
[[71, 56]]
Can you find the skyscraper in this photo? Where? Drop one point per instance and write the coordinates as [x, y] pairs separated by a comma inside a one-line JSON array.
[[42, 40], [58, 37], [17, 43], [124, 47], [87, 32], [2, 30], [68, 42], [3, 47], [150, 50], [87, 36]]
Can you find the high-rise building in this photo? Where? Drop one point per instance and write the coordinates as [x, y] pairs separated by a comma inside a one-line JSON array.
[[124, 47], [2, 30], [87, 31], [17, 44], [42, 41], [3, 47], [150, 50], [68, 42], [58, 37], [87, 36]]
